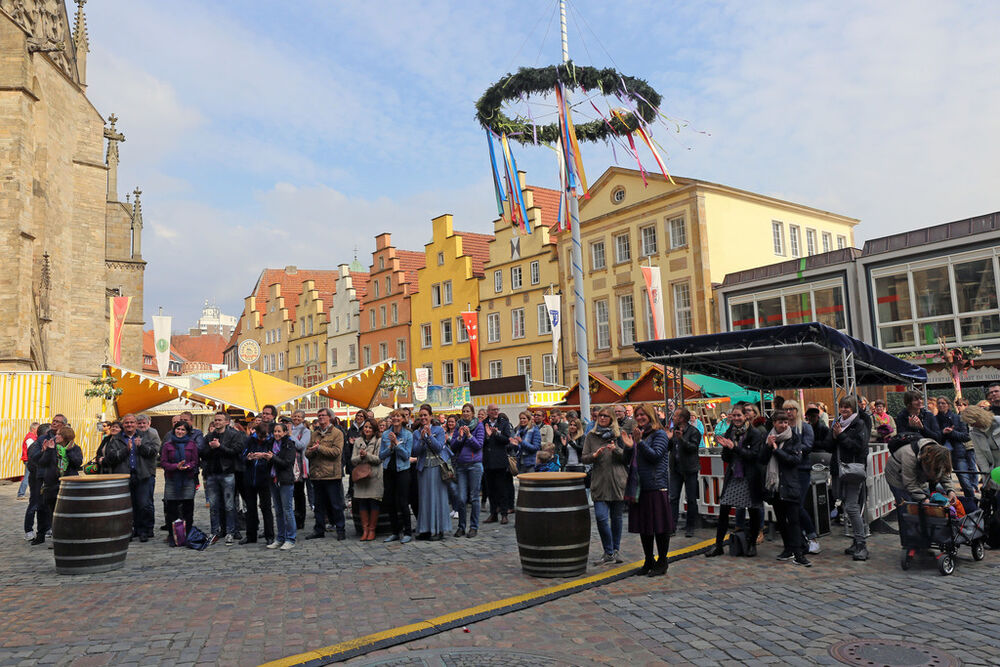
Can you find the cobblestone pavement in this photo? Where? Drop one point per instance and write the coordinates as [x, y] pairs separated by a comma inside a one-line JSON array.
[[245, 605]]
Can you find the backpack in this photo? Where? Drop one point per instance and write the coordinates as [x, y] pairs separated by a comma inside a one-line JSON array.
[[196, 539], [899, 441]]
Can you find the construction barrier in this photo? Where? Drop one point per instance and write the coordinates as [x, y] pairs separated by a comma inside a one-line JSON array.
[[27, 397]]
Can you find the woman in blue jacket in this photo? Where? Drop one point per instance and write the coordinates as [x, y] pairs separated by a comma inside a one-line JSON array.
[[649, 478], [956, 437], [394, 452], [428, 447], [282, 460], [528, 439], [466, 445]]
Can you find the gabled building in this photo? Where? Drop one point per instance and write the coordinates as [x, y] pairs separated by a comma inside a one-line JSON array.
[[695, 232], [385, 313], [344, 328], [515, 337], [448, 285], [307, 342]]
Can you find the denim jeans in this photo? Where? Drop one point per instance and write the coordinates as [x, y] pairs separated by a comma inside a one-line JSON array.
[[221, 493], [851, 493], [964, 461], [282, 497], [470, 478], [24, 483], [609, 523], [329, 505], [690, 482], [143, 511]]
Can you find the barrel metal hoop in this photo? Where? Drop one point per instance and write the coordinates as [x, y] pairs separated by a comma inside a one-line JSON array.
[[120, 495], [554, 509], [92, 540], [546, 571], [553, 560], [94, 556], [576, 487], [532, 547], [96, 485], [92, 514]]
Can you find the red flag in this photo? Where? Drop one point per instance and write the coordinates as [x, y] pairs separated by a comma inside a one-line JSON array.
[[119, 309], [471, 321]]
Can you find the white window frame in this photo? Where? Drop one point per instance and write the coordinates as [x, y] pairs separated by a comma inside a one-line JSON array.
[[383, 351], [426, 336], [534, 272], [544, 325], [366, 355], [602, 320], [435, 295], [524, 366], [827, 241], [598, 256], [795, 240], [841, 241], [648, 243], [371, 318], [623, 250], [448, 373], [493, 328], [549, 369], [626, 320], [683, 315], [447, 333], [446, 292], [780, 294], [461, 333], [778, 237], [352, 354], [376, 290], [381, 315], [464, 371], [394, 313], [498, 281], [517, 328], [811, 248], [677, 229], [400, 349], [515, 278], [496, 368]]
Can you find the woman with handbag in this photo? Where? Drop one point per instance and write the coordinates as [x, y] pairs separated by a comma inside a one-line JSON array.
[[179, 460], [433, 473], [605, 450], [367, 476], [528, 439], [742, 487], [781, 455], [850, 461], [647, 489]]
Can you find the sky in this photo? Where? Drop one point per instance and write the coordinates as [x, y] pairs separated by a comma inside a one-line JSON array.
[[269, 134]]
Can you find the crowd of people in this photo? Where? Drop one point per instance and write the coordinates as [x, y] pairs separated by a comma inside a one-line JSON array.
[[260, 475]]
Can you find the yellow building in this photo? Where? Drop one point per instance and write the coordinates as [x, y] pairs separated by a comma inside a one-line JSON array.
[[514, 333], [307, 358], [448, 284], [696, 232]]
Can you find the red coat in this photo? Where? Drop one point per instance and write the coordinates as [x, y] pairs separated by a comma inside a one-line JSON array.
[[28, 439]]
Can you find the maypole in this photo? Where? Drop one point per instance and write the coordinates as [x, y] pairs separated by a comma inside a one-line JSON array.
[[580, 305]]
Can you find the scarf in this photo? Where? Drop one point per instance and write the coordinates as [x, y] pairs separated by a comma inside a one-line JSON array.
[[62, 460], [180, 477], [738, 433], [772, 479], [275, 448], [603, 432], [844, 423]]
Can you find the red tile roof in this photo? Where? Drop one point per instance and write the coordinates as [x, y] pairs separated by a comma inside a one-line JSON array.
[[548, 201], [359, 281], [207, 348], [291, 285], [235, 338], [149, 350], [410, 261], [476, 246]]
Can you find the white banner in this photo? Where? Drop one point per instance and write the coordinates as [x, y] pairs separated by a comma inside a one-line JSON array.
[[653, 288], [555, 321], [161, 341], [422, 376]]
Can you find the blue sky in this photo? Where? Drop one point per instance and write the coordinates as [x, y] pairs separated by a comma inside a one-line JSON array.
[[267, 134]]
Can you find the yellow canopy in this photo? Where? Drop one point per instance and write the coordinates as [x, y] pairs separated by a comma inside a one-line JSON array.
[[248, 390]]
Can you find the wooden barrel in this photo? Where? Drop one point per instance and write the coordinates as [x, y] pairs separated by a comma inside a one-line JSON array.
[[92, 523], [553, 524], [382, 527]]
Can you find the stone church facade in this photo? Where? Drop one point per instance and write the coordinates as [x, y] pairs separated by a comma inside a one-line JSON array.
[[66, 239]]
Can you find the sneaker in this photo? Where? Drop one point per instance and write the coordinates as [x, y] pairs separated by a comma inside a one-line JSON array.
[[617, 555], [849, 551], [814, 547], [30, 535], [604, 559], [274, 545], [861, 553], [786, 555], [802, 560], [22, 497], [229, 540], [287, 546], [212, 539], [454, 514]]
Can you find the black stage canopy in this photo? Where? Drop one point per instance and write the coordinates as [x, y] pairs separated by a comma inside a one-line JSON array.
[[794, 356]]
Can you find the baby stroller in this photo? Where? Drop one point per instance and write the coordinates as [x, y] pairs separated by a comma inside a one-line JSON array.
[[923, 526]]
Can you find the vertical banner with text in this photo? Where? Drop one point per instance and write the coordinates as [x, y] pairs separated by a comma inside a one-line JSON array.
[[471, 320], [555, 322], [421, 380], [119, 309], [161, 340], [652, 276]]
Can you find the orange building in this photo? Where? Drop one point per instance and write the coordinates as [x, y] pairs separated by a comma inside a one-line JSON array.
[[385, 312]]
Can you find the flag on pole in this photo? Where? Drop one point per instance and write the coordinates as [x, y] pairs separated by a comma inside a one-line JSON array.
[[119, 309], [471, 321], [652, 276], [555, 321], [161, 340]]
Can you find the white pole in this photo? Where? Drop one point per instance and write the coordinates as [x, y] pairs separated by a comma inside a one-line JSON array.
[[580, 307]]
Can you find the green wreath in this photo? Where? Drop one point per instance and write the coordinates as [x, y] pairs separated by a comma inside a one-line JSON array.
[[530, 80]]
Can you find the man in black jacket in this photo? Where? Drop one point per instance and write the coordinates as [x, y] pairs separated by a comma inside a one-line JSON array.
[[685, 464], [223, 445], [499, 481], [128, 453], [45, 432]]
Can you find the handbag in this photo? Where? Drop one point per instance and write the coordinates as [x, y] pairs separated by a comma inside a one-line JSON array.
[[512, 465], [447, 472], [853, 472], [178, 533], [361, 471]]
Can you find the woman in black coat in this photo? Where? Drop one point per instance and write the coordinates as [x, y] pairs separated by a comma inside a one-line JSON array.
[[781, 455], [849, 437], [58, 457], [742, 488]]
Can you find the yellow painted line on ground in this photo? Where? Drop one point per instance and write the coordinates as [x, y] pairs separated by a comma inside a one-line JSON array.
[[469, 612]]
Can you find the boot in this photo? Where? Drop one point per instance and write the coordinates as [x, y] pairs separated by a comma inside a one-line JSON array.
[[372, 523], [752, 542], [720, 535], [659, 569], [851, 550], [861, 553], [364, 525]]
